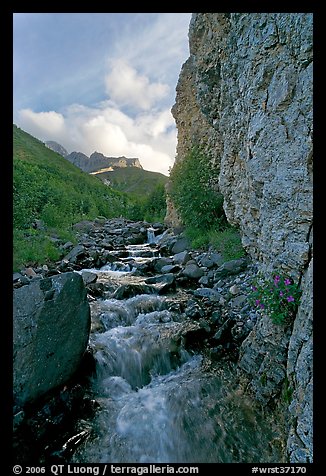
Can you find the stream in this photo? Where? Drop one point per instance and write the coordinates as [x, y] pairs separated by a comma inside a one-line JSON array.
[[160, 401]]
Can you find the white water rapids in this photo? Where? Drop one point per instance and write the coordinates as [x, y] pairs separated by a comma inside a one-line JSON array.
[[160, 403]]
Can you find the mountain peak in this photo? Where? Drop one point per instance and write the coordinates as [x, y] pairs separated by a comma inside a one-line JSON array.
[[56, 147]]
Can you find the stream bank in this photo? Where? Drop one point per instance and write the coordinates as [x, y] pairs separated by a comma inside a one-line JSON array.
[[158, 382]]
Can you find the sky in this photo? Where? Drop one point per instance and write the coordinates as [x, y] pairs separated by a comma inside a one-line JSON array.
[[101, 82]]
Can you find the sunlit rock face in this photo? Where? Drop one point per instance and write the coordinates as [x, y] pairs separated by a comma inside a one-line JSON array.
[[245, 96]]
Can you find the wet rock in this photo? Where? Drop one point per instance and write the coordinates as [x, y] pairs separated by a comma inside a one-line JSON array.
[[162, 283], [89, 277], [50, 335], [126, 291]]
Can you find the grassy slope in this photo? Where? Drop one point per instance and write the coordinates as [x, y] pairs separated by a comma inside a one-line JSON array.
[[48, 187], [133, 180]]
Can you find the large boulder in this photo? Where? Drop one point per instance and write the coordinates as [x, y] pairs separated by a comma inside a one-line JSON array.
[[51, 324]]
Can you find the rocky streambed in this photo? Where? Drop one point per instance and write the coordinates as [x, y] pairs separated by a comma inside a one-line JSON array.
[[158, 381]]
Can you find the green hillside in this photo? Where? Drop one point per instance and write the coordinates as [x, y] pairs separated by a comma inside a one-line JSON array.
[[49, 188], [133, 180]]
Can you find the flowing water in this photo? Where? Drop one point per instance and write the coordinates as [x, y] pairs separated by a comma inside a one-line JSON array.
[[159, 402]]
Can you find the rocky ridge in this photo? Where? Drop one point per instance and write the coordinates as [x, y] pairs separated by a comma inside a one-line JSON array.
[[97, 162]]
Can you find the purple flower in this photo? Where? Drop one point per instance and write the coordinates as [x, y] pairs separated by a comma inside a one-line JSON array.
[[290, 298], [276, 279], [257, 302], [254, 288], [281, 293], [261, 306], [287, 281]]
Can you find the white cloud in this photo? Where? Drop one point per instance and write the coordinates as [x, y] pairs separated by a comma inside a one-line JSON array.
[[150, 136], [128, 88], [44, 123]]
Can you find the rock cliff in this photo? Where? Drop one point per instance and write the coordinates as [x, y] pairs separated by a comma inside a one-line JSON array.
[[245, 96], [98, 162]]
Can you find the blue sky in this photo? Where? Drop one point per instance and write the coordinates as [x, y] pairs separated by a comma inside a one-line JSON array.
[[101, 81]]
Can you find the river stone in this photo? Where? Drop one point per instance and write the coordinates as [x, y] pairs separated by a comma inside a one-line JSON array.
[[162, 278], [89, 277], [180, 245], [171, 268], [49, 335], [230, 267], [181, 258], [76, 253], [126, 291], [238, 300], [162, 283], [30, 272], [209, 293], [193, 271]]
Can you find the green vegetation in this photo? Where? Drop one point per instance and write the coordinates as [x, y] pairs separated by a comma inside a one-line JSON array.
[[278, 297], [194, 192], [49, 188], [151, 207], [135, 181], [287, 391]]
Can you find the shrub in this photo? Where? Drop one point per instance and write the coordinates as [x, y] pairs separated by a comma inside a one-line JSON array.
[[193, 192], [227, 242], [277, 297]]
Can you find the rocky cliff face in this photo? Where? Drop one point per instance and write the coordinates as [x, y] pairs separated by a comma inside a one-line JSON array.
[[245, 96], [98, 162], [51, 144]]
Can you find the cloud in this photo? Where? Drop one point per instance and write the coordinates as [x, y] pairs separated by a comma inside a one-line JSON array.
[[128, 88], [44, 123], [150, 136]]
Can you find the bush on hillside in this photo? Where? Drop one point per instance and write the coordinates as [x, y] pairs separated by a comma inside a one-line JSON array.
[[193, 192]]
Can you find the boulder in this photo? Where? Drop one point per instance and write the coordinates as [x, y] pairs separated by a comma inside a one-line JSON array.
[[231, 267], [75, 254], [182, 257], [51, 324], [193, 271], [89, 277], [162, 283], [180, 245], [126, 291], [208, 293], [170, 268]]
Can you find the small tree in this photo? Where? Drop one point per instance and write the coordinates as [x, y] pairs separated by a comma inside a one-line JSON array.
[[192, 190]]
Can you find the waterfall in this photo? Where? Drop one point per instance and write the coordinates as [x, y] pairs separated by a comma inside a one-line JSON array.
[[151, 235]]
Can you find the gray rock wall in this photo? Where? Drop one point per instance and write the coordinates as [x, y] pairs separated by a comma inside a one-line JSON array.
[[245, 95], [51, 324]]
